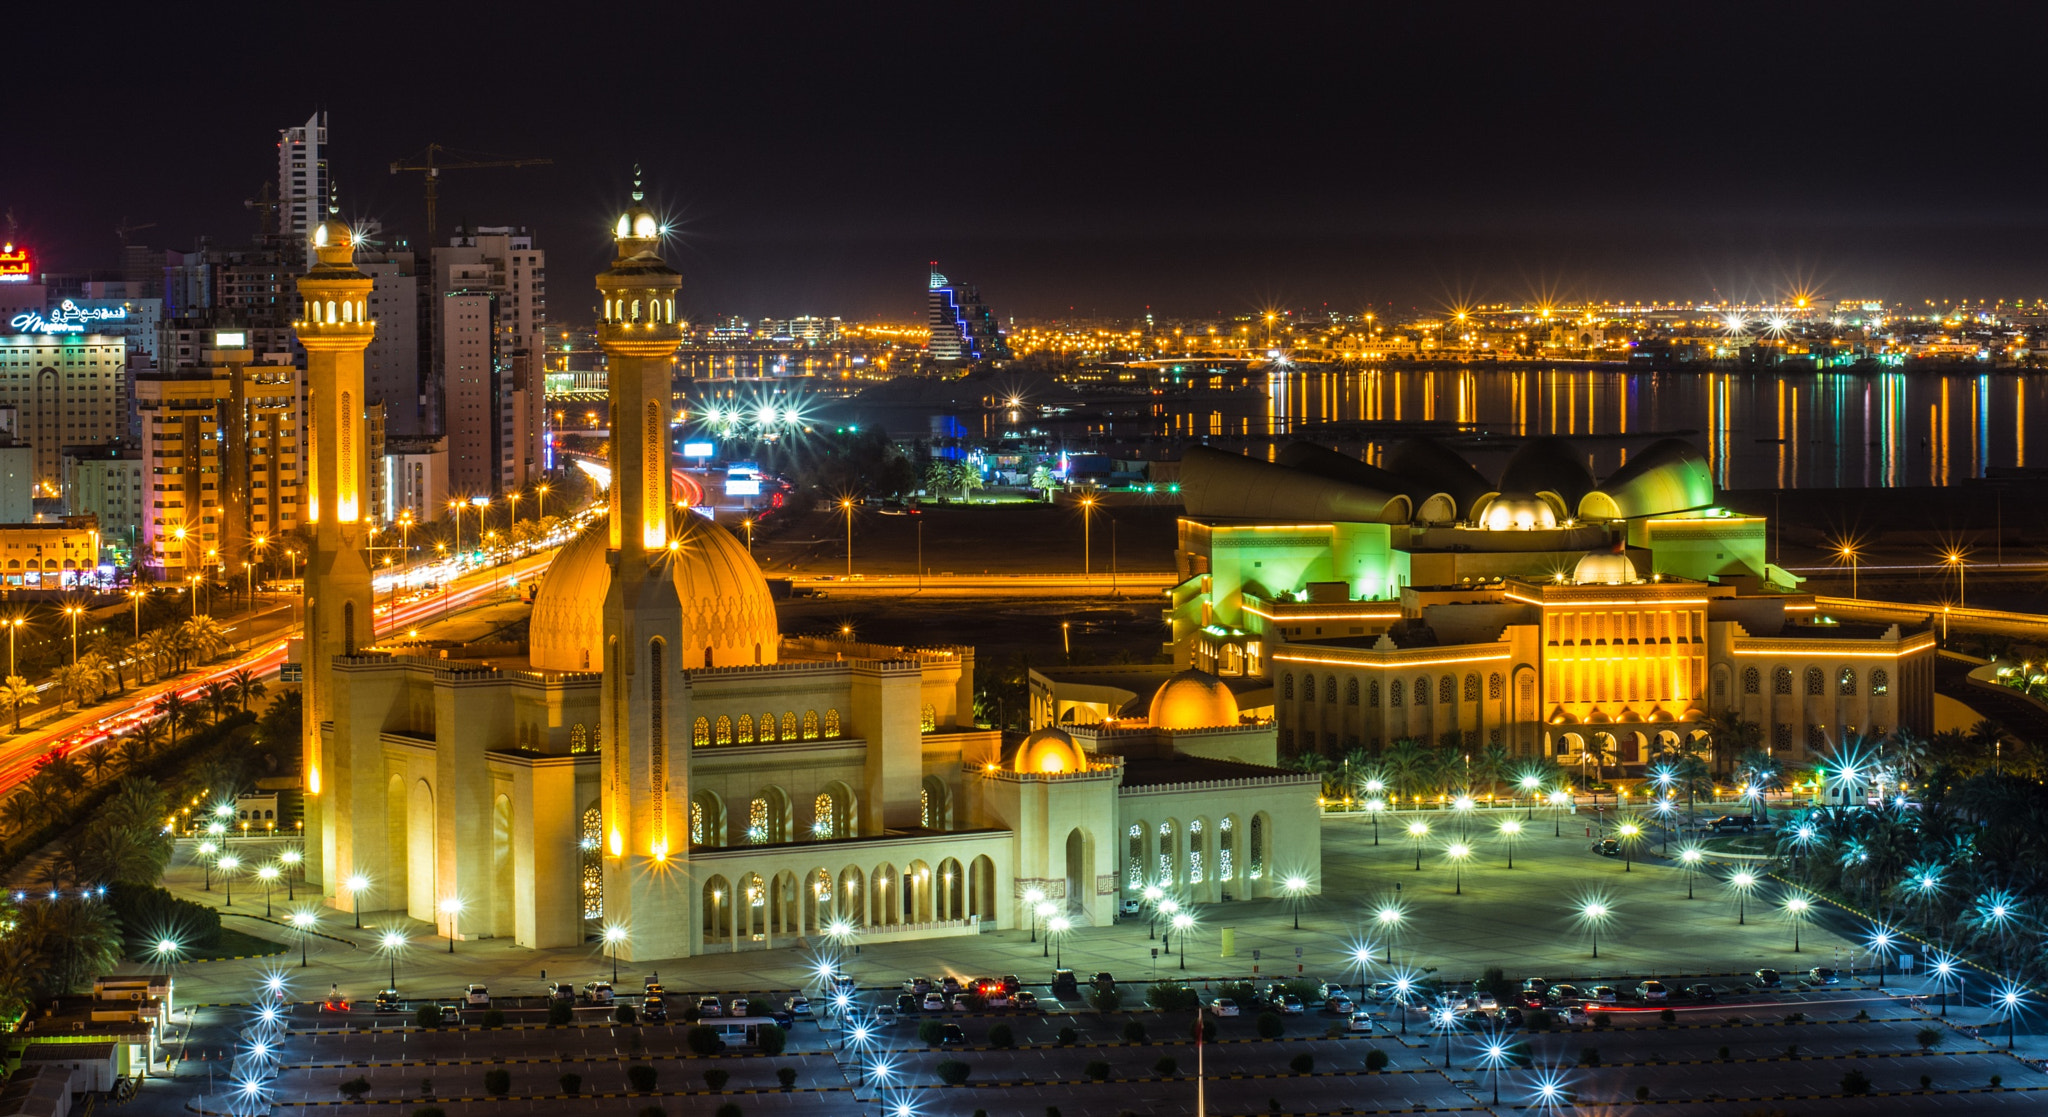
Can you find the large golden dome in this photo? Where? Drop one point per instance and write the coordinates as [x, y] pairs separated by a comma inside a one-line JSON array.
[[1192, 700], [728, 619]]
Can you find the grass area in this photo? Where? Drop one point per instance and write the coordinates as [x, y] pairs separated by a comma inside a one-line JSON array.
[[231, 943], [1744, 843]]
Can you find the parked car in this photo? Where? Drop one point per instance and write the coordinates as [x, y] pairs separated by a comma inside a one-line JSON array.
[[1381, 990], [561, 991], [1823, 975], [1027, 1002], [1511, 1018], [906, 1003], [477, 995], [708, 1008], [960, 1002], [651, 987], [1606, 994], [1224, 1006], [739, 1006], [1290, 1005], [952, 1036], [1361, 1021], [1064, 984], [885, 1016], [597, 992], [1339, 1004], [996, 997], [933, 1002], [782, 1019], [1769, 979], [799, 1007], [1652, 991], [1703, 992], [950, 985], [1103, 981], [1328, 989], [1012, 983], [387, 1001], [1565, 995], [918, 985], [1487, 1003], [1473, 1018], [1130, 908], [1732, 824], [1608, 847], [654, 1010]]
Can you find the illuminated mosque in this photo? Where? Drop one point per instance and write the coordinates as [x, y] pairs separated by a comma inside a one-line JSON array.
[[662, 761], [1359, 604]]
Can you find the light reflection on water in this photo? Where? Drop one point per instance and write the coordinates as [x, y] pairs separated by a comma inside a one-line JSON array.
[[1758, 430]]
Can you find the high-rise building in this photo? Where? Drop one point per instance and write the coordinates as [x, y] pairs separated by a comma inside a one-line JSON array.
[[302, 183], [963, 327], [221, 446], [490, 318], [106, 481], [391, 365], [66, 388], [415, 478], [17, 473]]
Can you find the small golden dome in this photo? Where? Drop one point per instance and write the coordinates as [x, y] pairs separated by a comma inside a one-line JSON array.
[[1192, 700], [1049, 751], [333, 242]]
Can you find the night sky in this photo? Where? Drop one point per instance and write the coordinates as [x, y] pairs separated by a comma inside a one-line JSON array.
[[1193, 159]]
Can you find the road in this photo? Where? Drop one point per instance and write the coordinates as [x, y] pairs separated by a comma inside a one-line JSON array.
[[1005, 585]]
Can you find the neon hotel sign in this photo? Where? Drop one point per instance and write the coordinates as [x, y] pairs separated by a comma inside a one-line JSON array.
[[68, 318], [15, 265]]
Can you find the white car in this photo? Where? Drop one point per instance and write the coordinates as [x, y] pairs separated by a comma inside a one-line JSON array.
[[598, 992], [1653, 991], [1488, 1004], [799, 1007], [933, 1002], [1224, 1006], [1291, 1005], [477, 995], [708, 1007], [1361, 1021]]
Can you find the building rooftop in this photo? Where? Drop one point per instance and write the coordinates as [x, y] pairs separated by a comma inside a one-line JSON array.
[[1163, 771]]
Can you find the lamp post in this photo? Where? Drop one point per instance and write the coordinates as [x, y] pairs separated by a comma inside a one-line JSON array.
[[1558, 799], [291, 859], [1943, 970], [1045, 910], [1152, 896], [1056, 930], [135, 597], [1032, 899], [1690, 858], [1742, 882], [1595, 913], [1510, 829], [1087, 519], [357, 885], [1881, 945], [1795, 910], [613, 936], [451, 907], [1295, 886], [1956, 559], [13, 626], [1168, 907], [228, 865], [206, 852], [1532, 787], [1457, 852], [1375, 805], [304, 921], [1418, 830], [391, 943], [2009, 999], [1403, 988], [1848, 551], [846, 506], [1463, 804], [268, 875], [74, 611], [1183, 922], [1629, 832]]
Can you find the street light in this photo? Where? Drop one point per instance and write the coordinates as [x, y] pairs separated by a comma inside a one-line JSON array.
[[206, 852], [1168, 907], [846, 506], [1690, 857], [391, 943], [1087, 551], [1510, 828], [1056, 930], [1496, 1055], [1558, 799], [1881, 945], [268, 875], [1404, 986], [451, 907], [1295, 886], [1849, 551], [228, 865], [1629, 832], [1032, 899], [291, 859], [1594, 913], [74, 612], [1463, 805], [1956, 559], [1375, 805], [1418, 830], [613, 936], [1045, 911], [357, 885], [1944, 969], [1742, 882], [304, 921], [1531, 784], [2010, 997], [1183, 923], [1153, 895], [1457, 852]]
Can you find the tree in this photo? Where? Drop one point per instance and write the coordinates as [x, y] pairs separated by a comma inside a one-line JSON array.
[[1043, 480], [952, 1072], [17, 692], [1600, 750], [99, 759], [248, 688], [74, 683], [1731, 736], [19, 813], [110, 652], [941, 474], [177, 712], [202, 637], [1489, 766], [217, 697], [968, 479]]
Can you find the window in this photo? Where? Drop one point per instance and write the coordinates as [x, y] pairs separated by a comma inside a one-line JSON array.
[[700, 732], [1351, 692], [696, 824], [1394, 692], [592, 845], [810, 725], [723, 733], [1195, 852], [1287, 686], [1815, 683], [1880, 682], [1494, 683], [767, 729], [1816, 738], [1847, 682], [1781, 737], [1372, 694], [1781, 681], [1258, 850], [824, 816], [757, 821], [831, 723], [1471, 688], [1166, 854], [1134, 875], [1752, 681], [579, 738], [928, 718], [924, 807], [789, 726], [1308, 688], [1226, 842], [746, 734]]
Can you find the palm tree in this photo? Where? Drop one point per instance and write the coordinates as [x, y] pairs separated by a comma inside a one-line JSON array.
[[62, 768], [98, 760], [112, 654], [148, 737], [248, 688], [1989, 736], [1731, 736], [1489, 766], [1403, 761], [177, 712], [161, 648], [17, 692], [202, 637], [1600, 750], [20, 813], [76, 939], [20, 963], [218, 697], [134, 752], [1760, 770]]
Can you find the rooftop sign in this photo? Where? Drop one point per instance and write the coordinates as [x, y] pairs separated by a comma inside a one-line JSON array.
[[67, 318], [15, 265]]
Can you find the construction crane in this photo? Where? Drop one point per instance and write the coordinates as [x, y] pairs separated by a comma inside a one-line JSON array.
[[126, 228], [437, 158]]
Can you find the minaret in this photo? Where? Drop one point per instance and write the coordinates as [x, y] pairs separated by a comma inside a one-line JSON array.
[[335, 330], [646, 783]]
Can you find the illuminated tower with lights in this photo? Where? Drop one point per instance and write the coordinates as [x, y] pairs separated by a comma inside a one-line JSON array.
[[646, 782], [334, 331]]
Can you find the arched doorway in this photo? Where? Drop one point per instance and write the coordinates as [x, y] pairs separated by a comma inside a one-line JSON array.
[[393, 892], [981, 888], [1080, 874], [501, 923], [718, 904], [421, 885]]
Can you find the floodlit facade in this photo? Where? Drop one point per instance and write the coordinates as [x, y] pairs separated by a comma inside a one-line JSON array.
[[661, 758], [65, 388], [963, 328]]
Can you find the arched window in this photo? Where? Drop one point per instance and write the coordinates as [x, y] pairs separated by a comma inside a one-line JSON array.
[[831, 723], [1446, 690], [1308, 688], [1816, 738], [810, 725], [348, 628], [1781, 681], [1394, 692], [1258, 850], [1195, 852], [1372, 694], [1134, 865], [1752, 681], [924, 807], [1847, 681], [1781, 736], [700, 732], [1880, 681], [1287, 685], [757, 821], [1166, 854], [789, 725], [928, 718], [1471, 688], [824, 816], [723, 733], [696, 824], [1494, 683], [1421, 690], [657, 740], [1226, 848], [746, 733], [591, 843], [1816, 683], [1351, 691], [579, 738], [767, 730]]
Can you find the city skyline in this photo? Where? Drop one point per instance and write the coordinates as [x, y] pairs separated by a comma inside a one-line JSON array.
[[1143, 160]]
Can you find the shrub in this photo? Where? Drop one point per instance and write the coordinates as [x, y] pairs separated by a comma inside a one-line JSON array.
[[1642, 1093], [1134, 1031], [355, 1088], [1926, 1082], [1669, 1016], [1724, 1052], [1052, 1111], [1589, 1056], [1855, 1083], [929, 1031], [1001, 1036], [717, 1077], [1862, 1015], [1794, 1017], [1243, 992], [703, 1040], [498, 1082], [560, 1013], [625, 1014], [1106, 1000], [1375, 1060], [1167, 1067], [1271, 1026], [1599, 1019], [426, 1087], [1927, 1038], [786, 1076], [642, 1077], [1495, 981], [1539, 1021], [1097, 1070], [1302, 1063], [729, 1109], [652, 1111], [952, 1072], [428, 1016], [771, 1039], [572, 1084], [495, 1018], [1067, 1037], [1208, 1030], [1791, 1051], [1997, 1080], [1171, 996], [430, 1111]]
